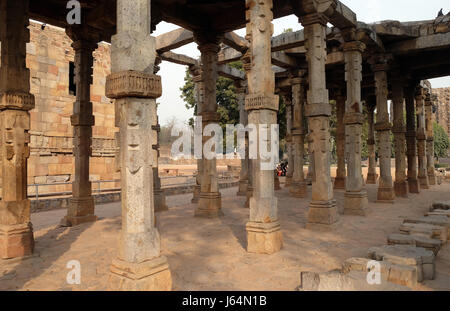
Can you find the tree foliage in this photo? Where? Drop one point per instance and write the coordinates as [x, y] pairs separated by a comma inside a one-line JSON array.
[[441, 141]]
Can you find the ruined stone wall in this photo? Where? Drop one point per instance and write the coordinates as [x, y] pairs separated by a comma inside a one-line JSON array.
[[443, 108], [49, 54]]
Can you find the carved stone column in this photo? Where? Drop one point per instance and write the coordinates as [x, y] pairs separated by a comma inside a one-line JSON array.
[[356, 202], [421, 138], [16, 230], [372, 175], [341, 171], [158, 193], [399, 130], [299, 188], [199, 92], [139, 264], [290, 170], [81, 205], [210, 202], [411, 142], [243, 120], [263, 230], [322, 210], [383, 128], [430, 140]]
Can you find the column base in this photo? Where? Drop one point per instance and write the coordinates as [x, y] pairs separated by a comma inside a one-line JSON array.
[[242, 190], [432, 179], [401, 189], [209, 205], [16, 241], [339, 183], [288, 182], [196, 194], [413, 186], [299, 189], [372, 179], [322, 214], [356, 203], [151, 275], [160, 200], [423, 182], [264, 238], [276, 184], [81, 210], [385, 195]]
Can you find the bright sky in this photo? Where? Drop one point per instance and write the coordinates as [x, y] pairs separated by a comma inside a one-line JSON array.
[[367, 11]]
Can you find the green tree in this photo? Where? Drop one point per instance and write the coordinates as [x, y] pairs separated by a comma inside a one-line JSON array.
[[441, 141]]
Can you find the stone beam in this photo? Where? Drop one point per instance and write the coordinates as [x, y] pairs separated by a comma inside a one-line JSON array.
[[236, 42], [230, 72], [178, 59], [228, 55], [367, 35], [419, 44], [343, 16], [173, 40], [283, 60]]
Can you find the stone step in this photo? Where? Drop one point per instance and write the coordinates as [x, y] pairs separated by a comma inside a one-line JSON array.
[[426, 230], [397, 274], [418, 257], [431, 220], [439, 212], [338, 281], [430, 244], [445, 205]]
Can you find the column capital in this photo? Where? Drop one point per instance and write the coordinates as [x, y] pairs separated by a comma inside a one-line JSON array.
[[17, 101], [314, 18], [133, 84], [351, 46], [208, 41]]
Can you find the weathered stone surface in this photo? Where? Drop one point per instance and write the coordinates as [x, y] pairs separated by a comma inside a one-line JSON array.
[[442, 205], [426, 230], [433, 245], [264, 238], [439, 212]]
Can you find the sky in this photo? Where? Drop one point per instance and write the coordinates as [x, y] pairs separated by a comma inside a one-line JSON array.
[[368, 11]]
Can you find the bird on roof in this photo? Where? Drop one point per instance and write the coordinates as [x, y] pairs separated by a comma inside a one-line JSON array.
[[440, 13]]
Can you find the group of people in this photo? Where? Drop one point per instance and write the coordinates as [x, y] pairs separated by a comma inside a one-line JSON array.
[[282, 168]]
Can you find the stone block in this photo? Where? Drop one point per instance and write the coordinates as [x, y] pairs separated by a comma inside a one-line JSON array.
[[433, 245], [264, 238], [16, 240]]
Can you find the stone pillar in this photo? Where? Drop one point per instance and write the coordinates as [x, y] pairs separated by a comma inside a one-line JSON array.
[[399, 130], [383, 128], [341, 172], [411, 143], [430, 140], [322, 210], [210, 202], [81, 205], [263, 230], [199, 89], [158, 193], [421, 138], [16, 230], [299, 188], [289, 147], [356, 202], [139, 264], [372, 175], [243, 120]]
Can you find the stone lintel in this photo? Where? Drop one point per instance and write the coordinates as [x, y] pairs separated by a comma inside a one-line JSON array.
[[17, 101], [132, 83], [262, 101], [353, 118]]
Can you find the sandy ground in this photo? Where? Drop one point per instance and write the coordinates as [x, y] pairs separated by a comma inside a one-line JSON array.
[[207, 254]]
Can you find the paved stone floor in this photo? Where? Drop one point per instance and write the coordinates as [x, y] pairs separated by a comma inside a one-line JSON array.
[[209, 254]]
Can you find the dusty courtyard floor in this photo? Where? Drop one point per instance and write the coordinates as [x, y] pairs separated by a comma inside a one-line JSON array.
[[209, 254]]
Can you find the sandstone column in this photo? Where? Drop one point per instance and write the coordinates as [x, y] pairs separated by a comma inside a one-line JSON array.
[[196, 74], [299, 188], [81, 205], [421, 138], [209, 203], [341, 171], [322, 210], [16, 230], [356, 202], [372, 175], [139, 265], [411, 143], [430, 140], [263, 229], [290, 170], [243, 120], [399, 130], [158, 193], [383, 128]]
